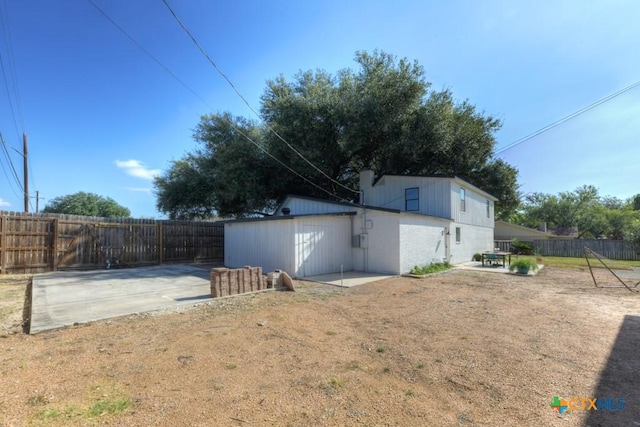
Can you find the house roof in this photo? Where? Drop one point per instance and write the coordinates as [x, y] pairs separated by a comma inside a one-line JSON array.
[[356, 205], [566, 232], [328, 214], [285, 217], [335, 202], [527, 230]]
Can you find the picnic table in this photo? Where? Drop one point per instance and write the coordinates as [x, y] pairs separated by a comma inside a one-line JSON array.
[[496, 257]]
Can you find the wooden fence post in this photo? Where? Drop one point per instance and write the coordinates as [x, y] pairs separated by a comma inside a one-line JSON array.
[[160, 242], [55, 245]]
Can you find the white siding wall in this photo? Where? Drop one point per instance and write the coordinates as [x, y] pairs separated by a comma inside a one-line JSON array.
[[389, 192], [302, 246], [422, 241], [476, 207], [383, 252], [473, 239], [301, 206], [323, 245], [266, 244]]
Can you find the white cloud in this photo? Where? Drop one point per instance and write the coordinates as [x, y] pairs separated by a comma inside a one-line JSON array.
[[137, 168], [139, 189], [4, 204]]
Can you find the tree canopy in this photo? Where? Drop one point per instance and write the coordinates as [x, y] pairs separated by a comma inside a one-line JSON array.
[[595, 216], [327, 128], [87, 204]]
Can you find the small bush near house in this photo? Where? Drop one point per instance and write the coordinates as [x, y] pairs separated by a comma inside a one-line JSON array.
[[521, 248], [476, 257], [431, 268]]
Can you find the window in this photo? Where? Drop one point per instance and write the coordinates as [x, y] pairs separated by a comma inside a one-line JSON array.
[[463, 206], [488, 209], [457, 234], [412, 199]]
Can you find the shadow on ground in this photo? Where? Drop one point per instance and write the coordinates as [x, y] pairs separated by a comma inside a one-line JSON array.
[[620, 379]]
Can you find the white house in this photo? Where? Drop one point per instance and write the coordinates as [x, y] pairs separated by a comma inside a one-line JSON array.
[[402, 221]]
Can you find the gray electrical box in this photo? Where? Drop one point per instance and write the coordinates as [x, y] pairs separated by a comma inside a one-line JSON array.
[[360, 241]]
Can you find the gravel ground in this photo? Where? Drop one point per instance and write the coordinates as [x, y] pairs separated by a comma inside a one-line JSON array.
[[457, 349]]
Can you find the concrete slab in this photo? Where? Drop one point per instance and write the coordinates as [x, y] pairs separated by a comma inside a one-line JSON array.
[[477, 266], [64, 298], [348, 278]]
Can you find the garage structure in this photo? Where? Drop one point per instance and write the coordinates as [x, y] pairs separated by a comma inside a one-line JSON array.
[[366, 239], [305, 245], [408, 221]]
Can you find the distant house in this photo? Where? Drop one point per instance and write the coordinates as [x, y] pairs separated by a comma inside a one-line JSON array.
[[402, 221], [508, 231], [565, 232]]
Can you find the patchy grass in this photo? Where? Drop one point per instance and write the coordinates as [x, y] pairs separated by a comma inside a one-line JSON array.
[[12, 299], [431, 268], [573, 262], [105, 398], [108, 406]]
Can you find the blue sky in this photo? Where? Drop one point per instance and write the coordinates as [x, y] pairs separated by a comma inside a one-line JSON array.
[[103, 117]]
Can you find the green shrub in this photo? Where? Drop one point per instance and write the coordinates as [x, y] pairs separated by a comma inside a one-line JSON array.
[[521, 248], [523, 264], [431, 268], [476, 257]]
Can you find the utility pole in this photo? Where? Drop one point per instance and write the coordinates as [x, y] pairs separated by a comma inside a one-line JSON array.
[[26, 172], [37, 201]]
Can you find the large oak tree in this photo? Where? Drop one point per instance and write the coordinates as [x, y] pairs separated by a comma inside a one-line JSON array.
[[381, 116]]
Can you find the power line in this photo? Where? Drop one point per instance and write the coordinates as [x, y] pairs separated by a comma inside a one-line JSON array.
[[204, 53], [12, 68], [5, 22], [149, 54], [4, 171], [205, 103], [6, 85], [11, 166], [567, 118], [280, 162]]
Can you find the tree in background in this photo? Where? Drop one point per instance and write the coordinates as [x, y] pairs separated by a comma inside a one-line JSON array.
[[87, 204], [380, 117], [226, 176], [595, 216]]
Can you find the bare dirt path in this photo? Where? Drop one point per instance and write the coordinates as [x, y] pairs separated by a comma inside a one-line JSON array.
[[457, 349]]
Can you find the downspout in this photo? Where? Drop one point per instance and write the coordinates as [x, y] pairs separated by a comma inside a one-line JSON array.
[[365, 255]]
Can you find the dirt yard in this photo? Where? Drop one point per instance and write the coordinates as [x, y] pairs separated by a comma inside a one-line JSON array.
[[457, 349]]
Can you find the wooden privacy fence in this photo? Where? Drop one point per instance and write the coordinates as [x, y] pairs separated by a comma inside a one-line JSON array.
[[612, 249], [32, 243]]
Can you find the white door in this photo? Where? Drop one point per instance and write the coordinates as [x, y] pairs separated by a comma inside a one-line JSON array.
[[315, 245], [324, 248]]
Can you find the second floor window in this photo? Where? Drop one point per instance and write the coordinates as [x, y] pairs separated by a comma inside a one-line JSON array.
[[412, 199], [463, 206]]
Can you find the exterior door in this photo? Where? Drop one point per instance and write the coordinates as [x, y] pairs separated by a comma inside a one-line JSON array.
[[324, 247], [315, 248]]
